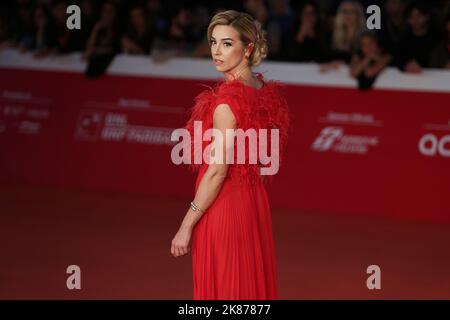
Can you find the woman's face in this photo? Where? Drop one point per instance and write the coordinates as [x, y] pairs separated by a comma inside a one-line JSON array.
[[253, 5], [39, 16], [137, 18], [309, 15], [59, 13], [394, 7], [417, 20], [184, 18], [108, 13], [349, 13], [227, 50]]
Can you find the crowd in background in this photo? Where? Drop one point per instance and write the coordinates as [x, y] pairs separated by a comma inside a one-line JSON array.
[[413, 35]]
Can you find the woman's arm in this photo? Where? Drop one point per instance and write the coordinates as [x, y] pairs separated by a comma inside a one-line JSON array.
[[358, 65], [210, 184], [90, 45], [379, 65], [130, 46]]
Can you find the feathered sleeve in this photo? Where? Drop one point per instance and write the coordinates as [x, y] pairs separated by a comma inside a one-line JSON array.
[[276, 109], [269, 111], [272, 111], [201, 111], [233, 95]]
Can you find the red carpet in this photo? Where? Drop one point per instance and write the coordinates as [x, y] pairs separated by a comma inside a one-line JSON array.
[[122, 244]]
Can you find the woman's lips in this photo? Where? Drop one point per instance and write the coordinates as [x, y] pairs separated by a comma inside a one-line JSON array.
[[217, 62]]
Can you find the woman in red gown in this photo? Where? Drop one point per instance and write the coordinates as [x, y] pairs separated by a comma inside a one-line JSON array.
[[228, 227]]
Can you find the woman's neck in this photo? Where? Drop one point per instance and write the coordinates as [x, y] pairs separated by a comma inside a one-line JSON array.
[[243, 73]]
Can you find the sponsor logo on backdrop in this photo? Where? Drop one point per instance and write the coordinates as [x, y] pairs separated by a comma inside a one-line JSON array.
[[89, 125], [95, 125], [435, 144], [335, 139], [23, 113], [341, 118], [24, 97], [133, 104]]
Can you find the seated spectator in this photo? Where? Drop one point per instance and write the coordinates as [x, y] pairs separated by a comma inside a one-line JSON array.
[[440, 56], [139, 35], [418, 41], [369, 60], [306, 42], [103, 43]]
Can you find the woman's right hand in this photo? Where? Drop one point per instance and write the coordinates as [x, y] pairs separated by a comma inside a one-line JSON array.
[[181, 242]]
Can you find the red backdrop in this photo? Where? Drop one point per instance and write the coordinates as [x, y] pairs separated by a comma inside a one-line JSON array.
[[382, 152]]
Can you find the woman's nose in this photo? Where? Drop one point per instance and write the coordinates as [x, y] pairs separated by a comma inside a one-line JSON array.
[[218, 51]]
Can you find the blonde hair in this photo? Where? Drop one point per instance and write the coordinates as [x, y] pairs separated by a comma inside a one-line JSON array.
[[250, 31], [343, 40]]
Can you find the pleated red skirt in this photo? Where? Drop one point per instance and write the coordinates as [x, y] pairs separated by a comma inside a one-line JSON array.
[[232, 246]]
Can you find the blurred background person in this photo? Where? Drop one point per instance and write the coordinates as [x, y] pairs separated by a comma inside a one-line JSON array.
[[307, 41], [88, 13], [6, 29], [20, 22], [103, 42], [349, 23], [369, 60], [202, 16], [258, 9], [440, 56], [392, 25], [418, 41], [279, 22], [42, 40], [67, 40], [140, 32], [154, 11], [324, 32], [179, 39]]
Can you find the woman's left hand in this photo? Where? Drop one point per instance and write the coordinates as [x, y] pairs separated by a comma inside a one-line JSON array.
[[181, 241]]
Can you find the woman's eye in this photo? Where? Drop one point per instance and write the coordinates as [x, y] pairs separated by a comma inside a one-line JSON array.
[[227, 44]]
